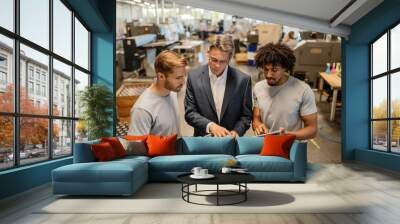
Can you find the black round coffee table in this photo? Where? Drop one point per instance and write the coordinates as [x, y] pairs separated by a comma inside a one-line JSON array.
[[238, 179]]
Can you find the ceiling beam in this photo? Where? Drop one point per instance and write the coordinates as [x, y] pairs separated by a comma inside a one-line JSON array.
[[269, 15], [346, 12]]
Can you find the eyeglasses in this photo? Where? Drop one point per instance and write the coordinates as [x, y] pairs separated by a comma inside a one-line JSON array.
[[216, 61]]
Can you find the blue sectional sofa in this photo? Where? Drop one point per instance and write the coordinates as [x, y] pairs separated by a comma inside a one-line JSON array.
[[125, 176]]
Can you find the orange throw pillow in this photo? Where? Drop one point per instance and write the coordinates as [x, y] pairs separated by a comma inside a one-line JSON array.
[[116, 145], [135, 137], [278, 145], [103, 151], [161, 145]]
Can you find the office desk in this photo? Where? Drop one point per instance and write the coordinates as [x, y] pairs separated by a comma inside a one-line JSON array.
[[161, 43], [188, 46], [335, 82]]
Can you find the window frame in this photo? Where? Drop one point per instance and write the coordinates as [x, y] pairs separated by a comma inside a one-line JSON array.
[[388, 74], [16, 114], [3, 71]]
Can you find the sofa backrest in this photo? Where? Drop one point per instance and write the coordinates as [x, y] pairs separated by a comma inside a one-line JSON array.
[[83, 152], [253, 145], [191, 146], [249, 145], [206, 145]]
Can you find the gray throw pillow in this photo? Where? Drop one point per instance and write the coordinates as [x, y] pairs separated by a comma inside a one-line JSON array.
[[134, 147]]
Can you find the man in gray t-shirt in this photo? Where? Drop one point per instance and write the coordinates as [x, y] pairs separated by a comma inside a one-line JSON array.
[[156, 110], [281, 102], [155, 114]]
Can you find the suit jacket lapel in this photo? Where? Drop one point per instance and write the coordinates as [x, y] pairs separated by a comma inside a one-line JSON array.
[[207, 89], [229, 89]]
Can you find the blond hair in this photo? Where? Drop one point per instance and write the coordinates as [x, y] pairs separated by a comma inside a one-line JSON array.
[[167, 60], [223, 43]]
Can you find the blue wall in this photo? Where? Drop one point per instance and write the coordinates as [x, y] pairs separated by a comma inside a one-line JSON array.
[[24, 178], [355, 131], [103, 53], [99, 16]]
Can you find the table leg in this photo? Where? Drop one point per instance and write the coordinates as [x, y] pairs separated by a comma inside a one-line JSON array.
[[333, 106], [245, 193], [195, 189], [320, 87], [217, 194]]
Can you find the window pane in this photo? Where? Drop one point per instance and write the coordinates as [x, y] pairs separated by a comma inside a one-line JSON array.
[[395, 47], [62, 138], [33, 139], [379, 135], [62, 29], [379, 97], [6, 74], [35, 21], [7, 14], [81, 132], [81, 81], [6, 142], [34, 97], [379, 55], [395, 94], [395, 138], [81, 45], [62, 89]]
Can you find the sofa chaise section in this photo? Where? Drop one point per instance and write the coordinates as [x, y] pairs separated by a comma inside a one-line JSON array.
[[87, 177]]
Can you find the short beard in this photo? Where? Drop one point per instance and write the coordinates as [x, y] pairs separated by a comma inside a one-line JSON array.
[[169, 87], [272, 84]]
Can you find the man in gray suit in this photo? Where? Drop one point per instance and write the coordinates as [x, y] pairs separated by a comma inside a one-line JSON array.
[[218, 97]]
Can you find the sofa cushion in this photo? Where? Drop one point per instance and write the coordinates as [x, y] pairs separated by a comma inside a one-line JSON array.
[[257, 163], [278, 145], [103, 152], [161, 145], [136, 137], [206, 145], [116, 145], [249, 145], [185, 163], [93, 172], [134, 147], [83, 152], [129, 159]]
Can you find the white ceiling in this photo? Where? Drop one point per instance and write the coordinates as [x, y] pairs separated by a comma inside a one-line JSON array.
[[314, 15], [321, 9]]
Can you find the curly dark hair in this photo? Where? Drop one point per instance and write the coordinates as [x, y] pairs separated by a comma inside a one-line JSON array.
[[275, 54]]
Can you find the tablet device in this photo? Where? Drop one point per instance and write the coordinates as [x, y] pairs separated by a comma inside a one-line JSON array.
[[270, 133]]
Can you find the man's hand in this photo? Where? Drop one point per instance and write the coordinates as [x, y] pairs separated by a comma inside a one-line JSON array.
[[234, 134], [260, 129], [218, 131]]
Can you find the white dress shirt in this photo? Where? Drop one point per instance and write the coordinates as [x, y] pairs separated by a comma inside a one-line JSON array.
[[218, 85]]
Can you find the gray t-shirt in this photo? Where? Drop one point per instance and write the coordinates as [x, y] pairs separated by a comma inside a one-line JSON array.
[[154, 114], [282, 106]]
